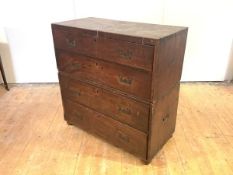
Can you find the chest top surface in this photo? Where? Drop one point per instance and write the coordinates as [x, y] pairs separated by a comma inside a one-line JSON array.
[[134, 29]]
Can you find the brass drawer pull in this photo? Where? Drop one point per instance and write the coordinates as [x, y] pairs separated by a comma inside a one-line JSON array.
[[125, 80], [126, 54], [124, 110], [122, 136], [71, 43]]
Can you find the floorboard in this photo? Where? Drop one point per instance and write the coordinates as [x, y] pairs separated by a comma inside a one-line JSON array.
[[35, 140]]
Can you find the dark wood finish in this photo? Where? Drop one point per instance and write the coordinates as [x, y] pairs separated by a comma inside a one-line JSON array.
[[123, 109], [132, 81], [3, 75], [111, 130], [162, 122], [141, 33], [74, 40], [120, 80], [168, 64], [122, 52]]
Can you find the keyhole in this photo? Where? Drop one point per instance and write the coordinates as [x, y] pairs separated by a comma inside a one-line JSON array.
[[96, 91]]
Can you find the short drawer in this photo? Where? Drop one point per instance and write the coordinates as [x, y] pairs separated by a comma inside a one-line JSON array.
[[111, 130], [74, 40], [123, 52], [121, 108], [129, 80]]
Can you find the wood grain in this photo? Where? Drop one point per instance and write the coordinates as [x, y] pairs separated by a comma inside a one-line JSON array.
[[129, 80], [35, 139], [123, 30], [98, 69], [118, 107]]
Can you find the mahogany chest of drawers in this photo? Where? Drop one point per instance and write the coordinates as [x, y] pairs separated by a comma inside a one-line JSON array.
[[120, 80]]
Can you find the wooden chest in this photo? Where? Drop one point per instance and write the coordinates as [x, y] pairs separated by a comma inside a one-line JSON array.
[[120, 80]]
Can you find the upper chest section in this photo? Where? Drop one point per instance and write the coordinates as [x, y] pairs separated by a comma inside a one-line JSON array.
[[126, 43]]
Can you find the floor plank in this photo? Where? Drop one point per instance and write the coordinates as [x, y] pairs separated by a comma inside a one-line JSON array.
[[35, 140]]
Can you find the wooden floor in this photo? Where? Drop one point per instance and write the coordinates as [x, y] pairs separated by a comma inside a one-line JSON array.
[[34, 138]]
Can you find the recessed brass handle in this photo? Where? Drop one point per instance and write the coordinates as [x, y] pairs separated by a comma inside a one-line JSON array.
[[124, 110], [126, 54], [71, 43], [125, 80]]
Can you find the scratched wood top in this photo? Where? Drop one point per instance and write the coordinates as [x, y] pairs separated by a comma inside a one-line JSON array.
[[124, 28]]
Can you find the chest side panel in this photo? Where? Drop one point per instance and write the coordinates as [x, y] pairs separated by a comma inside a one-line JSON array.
[[168, 63], [167, 69]]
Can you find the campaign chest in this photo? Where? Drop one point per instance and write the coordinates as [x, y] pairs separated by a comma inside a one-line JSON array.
[[120, 80]]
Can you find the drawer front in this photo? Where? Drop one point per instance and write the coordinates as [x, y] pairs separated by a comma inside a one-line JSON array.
[[118, 107], [130, 80], [86, 42], [74, 40], [131, 54], [75, 114], [111, 130]]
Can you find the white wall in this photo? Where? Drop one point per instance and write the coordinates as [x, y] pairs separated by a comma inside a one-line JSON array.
[[27, 27], [209, 39], [209, 44], [210, 29]]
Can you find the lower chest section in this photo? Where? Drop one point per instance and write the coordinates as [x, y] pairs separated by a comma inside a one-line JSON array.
[[117, 133]]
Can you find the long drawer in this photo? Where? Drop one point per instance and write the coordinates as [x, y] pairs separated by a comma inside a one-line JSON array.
[[121, 108], [111, 130], [88, 42], [130, 80]]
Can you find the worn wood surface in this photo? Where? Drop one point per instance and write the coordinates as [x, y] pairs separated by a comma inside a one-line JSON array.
[[126, 53], [35, 139], [107, 128], [168, 64], [124, 30], [101, 68], [163, 121], [128, 80], [118, 107]]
